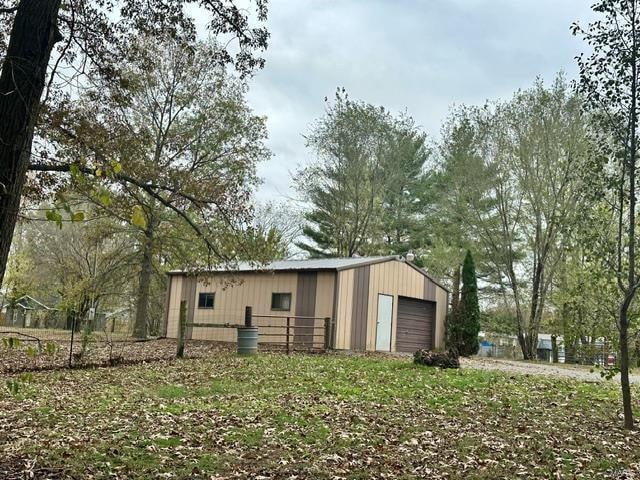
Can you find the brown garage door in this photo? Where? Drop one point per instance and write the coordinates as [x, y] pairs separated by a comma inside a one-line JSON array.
[[416, 324]]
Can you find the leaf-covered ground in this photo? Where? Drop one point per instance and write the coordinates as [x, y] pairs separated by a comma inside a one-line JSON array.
[[21, 358], [310, 416]]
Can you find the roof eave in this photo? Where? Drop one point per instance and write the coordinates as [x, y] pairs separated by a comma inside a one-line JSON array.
[[232, 272], [370, 262]]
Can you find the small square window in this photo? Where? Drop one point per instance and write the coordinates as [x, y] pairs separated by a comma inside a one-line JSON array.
[[206, 300], [281, 301]]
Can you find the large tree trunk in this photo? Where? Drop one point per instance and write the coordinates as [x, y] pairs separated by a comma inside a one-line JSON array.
[[144, 285], [524, 338], [33, 35]]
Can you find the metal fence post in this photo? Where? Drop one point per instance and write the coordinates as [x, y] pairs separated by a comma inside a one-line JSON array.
[[288, 330], [73, 329], [247, 317], [182, 328]]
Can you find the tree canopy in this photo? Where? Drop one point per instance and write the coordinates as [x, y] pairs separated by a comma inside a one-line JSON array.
[[364, 188], [55, 48]]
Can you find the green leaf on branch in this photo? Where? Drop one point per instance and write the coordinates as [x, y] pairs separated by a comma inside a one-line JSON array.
[[54, 216], [137, 217]]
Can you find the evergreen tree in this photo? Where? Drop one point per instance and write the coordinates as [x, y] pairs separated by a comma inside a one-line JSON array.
[[464, 321], [364, 187]]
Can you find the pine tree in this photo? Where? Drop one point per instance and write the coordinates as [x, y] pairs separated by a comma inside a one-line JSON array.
[[464, 321], [469, 308]]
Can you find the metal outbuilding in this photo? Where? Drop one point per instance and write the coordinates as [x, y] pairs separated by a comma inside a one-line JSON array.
[[374, 303]]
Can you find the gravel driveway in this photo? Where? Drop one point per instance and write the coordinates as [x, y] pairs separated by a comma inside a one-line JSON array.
[[579, 372]]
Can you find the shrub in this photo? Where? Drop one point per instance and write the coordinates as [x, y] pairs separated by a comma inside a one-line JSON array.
[[436, 359]]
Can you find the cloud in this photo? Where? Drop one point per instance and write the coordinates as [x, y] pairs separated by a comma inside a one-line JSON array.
[[422, 56]]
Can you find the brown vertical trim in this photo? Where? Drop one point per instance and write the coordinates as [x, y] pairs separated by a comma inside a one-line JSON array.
[[429, 290], [334, 315], [167, 305], [433, 328], [189, 288], [360, 307], [306, 290]]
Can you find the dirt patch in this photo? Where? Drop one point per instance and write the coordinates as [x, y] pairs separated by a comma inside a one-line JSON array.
[[577, 372]]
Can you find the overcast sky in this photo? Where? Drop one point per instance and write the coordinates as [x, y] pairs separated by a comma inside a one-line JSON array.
[[420, 55]]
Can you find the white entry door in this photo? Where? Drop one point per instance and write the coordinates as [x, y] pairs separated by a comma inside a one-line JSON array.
[[383, 331]]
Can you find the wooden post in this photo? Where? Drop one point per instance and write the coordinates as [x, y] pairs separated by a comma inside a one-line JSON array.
[[554, 348], [247, 317], [327, 333], [182, 328], [288, 329]]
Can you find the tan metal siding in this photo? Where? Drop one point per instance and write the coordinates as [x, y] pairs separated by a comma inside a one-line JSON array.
[[174, 306], [399, 279], [189, 286], [233, 294], [429, 290], [344, 309], [165, 311], [334, 330], [391, 278]]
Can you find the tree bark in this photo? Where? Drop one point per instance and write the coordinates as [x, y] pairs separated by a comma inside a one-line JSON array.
[[22, 79], [455, 298], [140, 329], [623, 323], [624, 368]]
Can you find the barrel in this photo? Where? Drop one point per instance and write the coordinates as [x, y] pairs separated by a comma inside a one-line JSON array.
[[247, 340]]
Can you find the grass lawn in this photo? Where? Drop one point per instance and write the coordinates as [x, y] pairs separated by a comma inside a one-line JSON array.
[[310, 416]]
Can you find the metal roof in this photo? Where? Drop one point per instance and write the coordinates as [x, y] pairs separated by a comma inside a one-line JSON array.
[[313, 264], [295, 265]]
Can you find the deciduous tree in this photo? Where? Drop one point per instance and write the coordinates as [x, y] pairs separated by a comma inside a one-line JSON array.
[[609, 80], [181, 123], [516, 190], [88, 37]]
